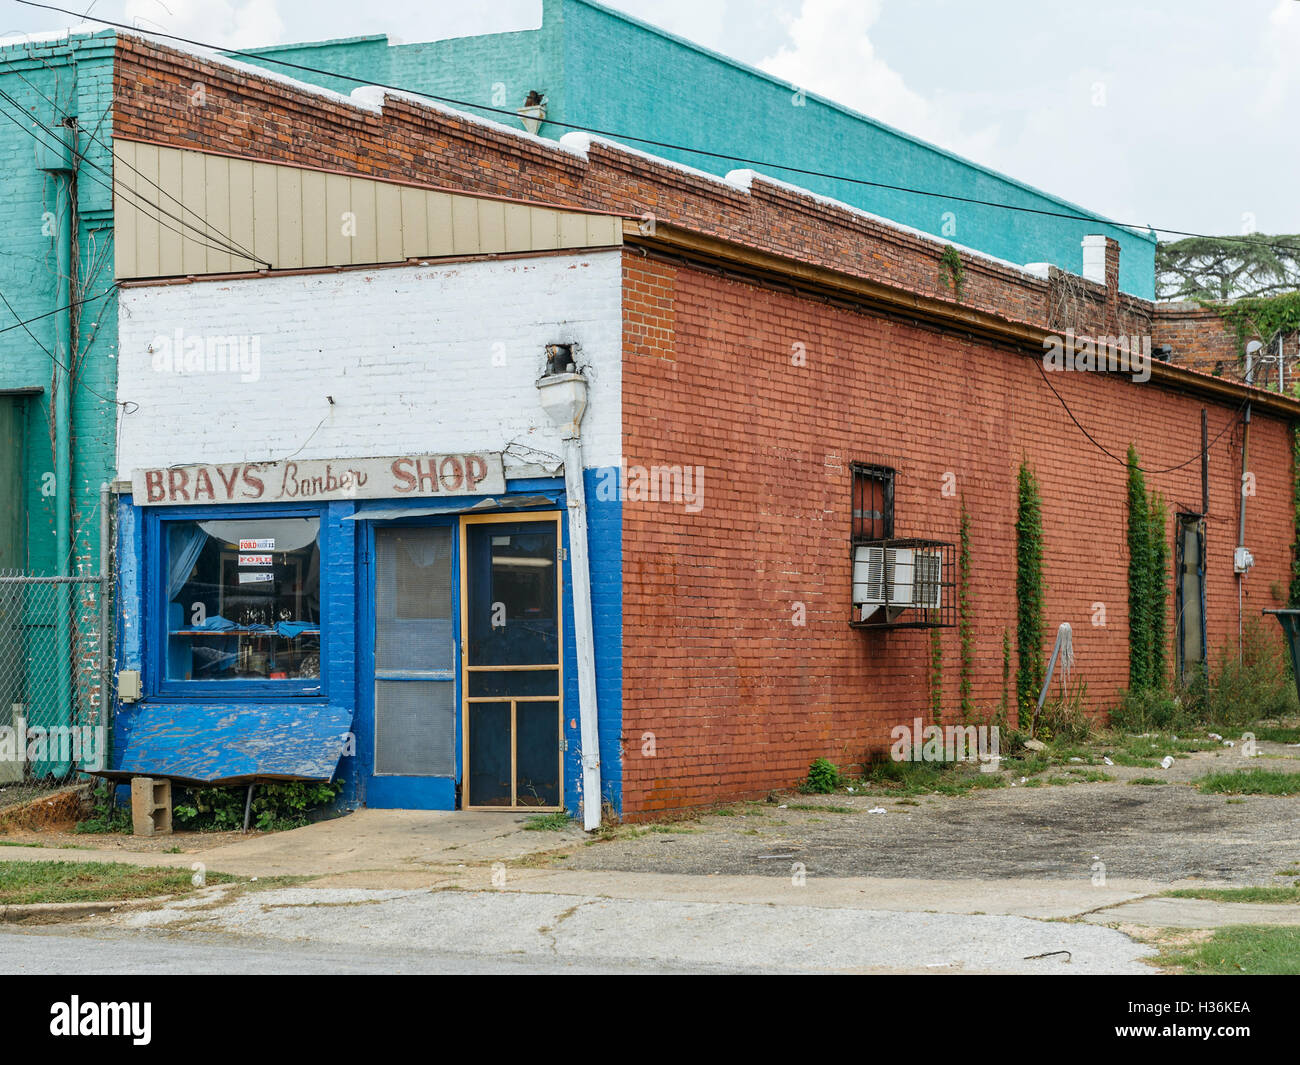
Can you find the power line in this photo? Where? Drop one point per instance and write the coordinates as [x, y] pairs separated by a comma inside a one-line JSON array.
[[113, 186], [613, 135], [1124, 461], [95, 139], [22, 324]]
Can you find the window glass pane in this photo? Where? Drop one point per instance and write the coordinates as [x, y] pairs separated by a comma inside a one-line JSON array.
[[242, 599], [513, 615]]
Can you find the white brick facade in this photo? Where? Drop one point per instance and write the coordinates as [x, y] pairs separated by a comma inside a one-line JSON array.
[[435, 358]]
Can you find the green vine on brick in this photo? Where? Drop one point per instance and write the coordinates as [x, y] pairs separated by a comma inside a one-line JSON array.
[[1030, 592], [1148, 561], [1006, 678], [936, 675], [1158, 589], [1265, 317], [965, 622], [952, 271]]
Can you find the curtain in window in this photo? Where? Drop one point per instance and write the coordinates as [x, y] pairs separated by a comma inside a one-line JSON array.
[[186, 545]]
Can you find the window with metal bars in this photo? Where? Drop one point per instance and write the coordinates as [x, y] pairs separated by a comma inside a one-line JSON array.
[[873, 503]]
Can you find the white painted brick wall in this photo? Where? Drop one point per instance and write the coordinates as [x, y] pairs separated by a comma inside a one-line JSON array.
[[434, 358]]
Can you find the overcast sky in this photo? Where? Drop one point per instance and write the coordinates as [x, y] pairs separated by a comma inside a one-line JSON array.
[[1180, 114]]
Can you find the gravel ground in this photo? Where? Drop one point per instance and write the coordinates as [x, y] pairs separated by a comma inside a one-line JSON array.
[[1153, 832]]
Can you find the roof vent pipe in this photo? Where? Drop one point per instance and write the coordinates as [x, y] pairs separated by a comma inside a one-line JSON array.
[[1094, 259]]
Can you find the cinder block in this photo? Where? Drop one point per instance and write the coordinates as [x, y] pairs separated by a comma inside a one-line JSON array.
[[151, 806]]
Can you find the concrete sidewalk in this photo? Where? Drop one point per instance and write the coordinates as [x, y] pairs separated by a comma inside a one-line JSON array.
[[402, 850]]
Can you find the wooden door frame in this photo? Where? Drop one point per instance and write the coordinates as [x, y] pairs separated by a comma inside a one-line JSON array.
[[540, 517]]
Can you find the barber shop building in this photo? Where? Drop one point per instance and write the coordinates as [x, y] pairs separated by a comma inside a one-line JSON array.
[[481, 471]]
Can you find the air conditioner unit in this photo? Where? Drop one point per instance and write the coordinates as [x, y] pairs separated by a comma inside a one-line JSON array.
[[869, 579], [896, 578]]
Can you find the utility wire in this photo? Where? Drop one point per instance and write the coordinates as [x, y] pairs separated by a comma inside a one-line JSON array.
[[93, 136], [613, 135], [115, 186], [1124, 461]]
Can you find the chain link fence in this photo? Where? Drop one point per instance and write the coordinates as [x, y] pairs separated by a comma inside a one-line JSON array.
[[54, 717]]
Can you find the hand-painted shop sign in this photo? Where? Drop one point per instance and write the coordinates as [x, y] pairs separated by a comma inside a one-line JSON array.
[[411, 476]]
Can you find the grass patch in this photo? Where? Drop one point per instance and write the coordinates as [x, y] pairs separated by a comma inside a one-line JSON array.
[[1276, 734], [927, 778], [814, 808], [1250, 782], [23, 883], [1147, 781], [552, 822], [16, 843], [1241, 894], [1249, 950]]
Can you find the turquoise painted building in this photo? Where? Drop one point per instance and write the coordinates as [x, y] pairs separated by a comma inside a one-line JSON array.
[[58, 330], [606, 71]]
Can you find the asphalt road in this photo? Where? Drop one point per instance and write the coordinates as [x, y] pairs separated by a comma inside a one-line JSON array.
[[49, 951], [354, 930]]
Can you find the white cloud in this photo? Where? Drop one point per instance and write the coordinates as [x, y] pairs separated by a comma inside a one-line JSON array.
[[226, 23], [831, 53]]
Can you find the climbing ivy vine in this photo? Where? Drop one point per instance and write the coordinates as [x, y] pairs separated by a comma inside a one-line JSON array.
[[1148, 563], [952, 272], [1030, 591]]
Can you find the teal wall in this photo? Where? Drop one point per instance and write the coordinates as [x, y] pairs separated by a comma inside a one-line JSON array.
[[604, 70], [70, 77], [48, 83]]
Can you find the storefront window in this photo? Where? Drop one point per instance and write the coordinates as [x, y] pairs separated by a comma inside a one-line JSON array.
[[242, 599]]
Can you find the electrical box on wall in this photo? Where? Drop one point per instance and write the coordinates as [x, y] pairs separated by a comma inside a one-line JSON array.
[[128, 685], [1242, 560]]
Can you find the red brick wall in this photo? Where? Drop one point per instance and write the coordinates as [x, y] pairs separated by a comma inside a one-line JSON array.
[[1200, 339], [740, 699]]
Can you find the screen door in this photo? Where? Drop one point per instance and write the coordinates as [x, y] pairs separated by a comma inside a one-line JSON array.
[[415, 678], [512, 653]]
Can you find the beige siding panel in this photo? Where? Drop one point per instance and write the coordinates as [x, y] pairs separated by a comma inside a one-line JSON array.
[[519, 227], [192, 206], [439, 240], [217, 211], [194, 185], [464, 226], [388, 222], [148, 229], [338, 202], [124, 212], [364, 246], [288, 199], [415, 223], [240, 231], [314, 236], [571, 229], [546, 229], [266, 214], [170, 200], [603, 230], [491, 227]]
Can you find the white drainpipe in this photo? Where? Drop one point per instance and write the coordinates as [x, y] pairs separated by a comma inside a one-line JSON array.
[[564, 398]]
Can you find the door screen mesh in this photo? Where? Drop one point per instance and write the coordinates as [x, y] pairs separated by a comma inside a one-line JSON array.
[[415, 732], [415, 724]]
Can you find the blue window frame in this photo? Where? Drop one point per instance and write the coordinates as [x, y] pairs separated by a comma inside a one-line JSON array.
[[237, 602]]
